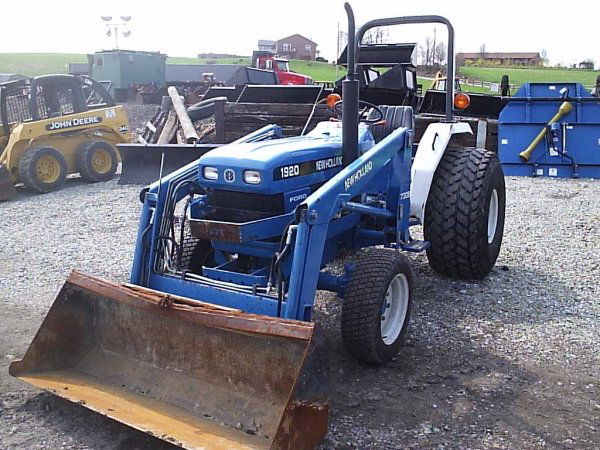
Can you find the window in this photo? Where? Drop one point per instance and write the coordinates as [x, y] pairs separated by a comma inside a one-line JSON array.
[[308, 47], [410, 79], [283, 65], [287, 47]]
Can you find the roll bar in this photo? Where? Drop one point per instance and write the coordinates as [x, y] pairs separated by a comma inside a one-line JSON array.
[[350, 87]]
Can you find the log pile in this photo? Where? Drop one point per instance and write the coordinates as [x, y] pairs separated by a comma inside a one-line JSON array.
[[223, 122], [172, 125]]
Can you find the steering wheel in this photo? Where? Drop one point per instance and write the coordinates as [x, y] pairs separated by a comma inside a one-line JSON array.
[[363, 111]]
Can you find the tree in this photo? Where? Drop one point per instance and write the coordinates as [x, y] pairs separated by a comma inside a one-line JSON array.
[[440, 52], [378, 35], [544, 56], [342, 40], [426, 51], [482, 51]]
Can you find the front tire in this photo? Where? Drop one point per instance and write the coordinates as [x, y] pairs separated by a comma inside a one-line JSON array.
[[376, 307], [194, 252], [43, 169], [96, 161], [464, 214]]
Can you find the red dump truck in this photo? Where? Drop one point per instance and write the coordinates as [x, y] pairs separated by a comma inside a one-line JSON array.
[[266, 60]]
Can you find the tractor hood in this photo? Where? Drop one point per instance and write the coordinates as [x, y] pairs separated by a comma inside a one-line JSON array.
[[278, 165]]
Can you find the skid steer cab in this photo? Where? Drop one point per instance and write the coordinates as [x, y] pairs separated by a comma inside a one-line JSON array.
[[211, 344], [56, 125]]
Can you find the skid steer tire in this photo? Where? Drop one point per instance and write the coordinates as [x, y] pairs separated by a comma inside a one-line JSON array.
[[43, 169], [464, 214], [96, 161], [377, 304], [193, 253]]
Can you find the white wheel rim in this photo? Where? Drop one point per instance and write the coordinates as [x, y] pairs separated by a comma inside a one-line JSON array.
[[394, 309], [493, 216]]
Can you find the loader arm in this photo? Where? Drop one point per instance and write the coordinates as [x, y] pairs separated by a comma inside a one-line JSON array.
[[319, 210]]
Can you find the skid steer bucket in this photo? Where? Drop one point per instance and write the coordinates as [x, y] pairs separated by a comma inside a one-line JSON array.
[[141, 163], [191, 373], [7, 188]]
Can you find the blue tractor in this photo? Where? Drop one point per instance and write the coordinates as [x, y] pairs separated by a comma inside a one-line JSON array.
[[212, 340]]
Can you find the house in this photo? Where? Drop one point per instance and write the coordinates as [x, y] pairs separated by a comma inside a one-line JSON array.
[[499, 59], [588, 64], [297, 46], [267, 46]]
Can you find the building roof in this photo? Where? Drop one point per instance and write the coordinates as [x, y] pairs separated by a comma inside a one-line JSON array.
[[131, 52], [491, 55], [297, 35], [266, 42]]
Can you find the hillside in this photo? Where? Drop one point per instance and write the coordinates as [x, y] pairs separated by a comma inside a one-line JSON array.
[[32, 64], [519, 76]]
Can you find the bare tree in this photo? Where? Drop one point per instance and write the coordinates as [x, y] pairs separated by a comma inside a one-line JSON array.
[[440, 52], [544, 56], [482, 50], [427, 50], [378, 35], [342, 39]]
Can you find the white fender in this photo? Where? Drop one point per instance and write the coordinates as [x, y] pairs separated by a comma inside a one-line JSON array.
[[429, 153]]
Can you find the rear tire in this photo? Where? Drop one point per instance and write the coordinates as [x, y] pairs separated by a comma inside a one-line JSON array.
[[193, 254], [96, 161], [376, 307], [43, 169], [464, 214]]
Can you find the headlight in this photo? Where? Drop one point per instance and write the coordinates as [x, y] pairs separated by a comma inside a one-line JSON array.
[[252, 176], [210, 173]]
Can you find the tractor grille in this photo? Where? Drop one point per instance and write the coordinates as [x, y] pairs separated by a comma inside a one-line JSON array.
[[260, 203]]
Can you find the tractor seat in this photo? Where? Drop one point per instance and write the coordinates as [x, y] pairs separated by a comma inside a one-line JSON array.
[[395, 117]]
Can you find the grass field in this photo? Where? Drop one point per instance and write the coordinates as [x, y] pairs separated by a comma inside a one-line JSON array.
[[519, 76], [32, 64]]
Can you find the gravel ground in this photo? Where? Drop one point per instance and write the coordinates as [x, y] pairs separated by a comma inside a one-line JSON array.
[[508, 362], [138, 114]]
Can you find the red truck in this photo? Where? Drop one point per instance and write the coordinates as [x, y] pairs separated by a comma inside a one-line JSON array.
[[266, 60]]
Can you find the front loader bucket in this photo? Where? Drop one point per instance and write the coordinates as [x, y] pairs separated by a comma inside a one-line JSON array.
[[141, 163], [191, 373], [7, 188]]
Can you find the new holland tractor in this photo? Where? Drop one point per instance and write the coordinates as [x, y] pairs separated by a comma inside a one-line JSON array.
[[211, 344]]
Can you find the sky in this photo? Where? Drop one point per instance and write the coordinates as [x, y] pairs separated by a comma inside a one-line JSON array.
[[185, 28]]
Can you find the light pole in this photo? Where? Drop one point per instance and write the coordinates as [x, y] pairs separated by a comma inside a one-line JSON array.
[[114, 28]]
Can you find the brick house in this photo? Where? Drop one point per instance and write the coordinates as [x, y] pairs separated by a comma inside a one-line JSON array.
[[265, 45], [297, 46], [499, 59]]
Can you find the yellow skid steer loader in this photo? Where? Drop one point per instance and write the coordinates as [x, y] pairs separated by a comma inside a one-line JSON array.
[[56, 125]]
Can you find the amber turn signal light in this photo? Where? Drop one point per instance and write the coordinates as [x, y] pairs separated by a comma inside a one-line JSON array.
[[461, 101]]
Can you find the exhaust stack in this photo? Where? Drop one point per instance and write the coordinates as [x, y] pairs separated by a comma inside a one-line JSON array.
[[350, 97]]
